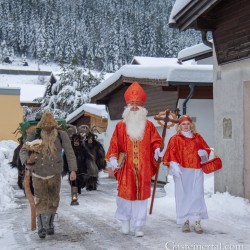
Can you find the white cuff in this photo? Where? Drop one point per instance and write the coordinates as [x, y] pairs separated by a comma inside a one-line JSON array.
[[158, 153], [203, 155], [113, 162], [174, 169]]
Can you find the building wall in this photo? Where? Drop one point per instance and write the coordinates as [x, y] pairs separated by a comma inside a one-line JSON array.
[[231, 96], [91, 121], [246, 112], [101, 124], [231, 33], [203, 113], [11, 113], [157, 99], [205, 61]]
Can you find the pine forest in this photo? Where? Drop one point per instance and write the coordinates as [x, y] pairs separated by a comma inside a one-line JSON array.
[[96, 34]]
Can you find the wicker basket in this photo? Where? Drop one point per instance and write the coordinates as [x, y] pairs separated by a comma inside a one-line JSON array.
[[211, 165]]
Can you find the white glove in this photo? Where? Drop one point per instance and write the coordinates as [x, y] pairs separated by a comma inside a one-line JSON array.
[[158, 153], [174, 169], [113, 162], [203, 155], [211, 155]]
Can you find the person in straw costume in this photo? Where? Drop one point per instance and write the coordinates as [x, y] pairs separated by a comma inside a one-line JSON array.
[[139, 139], [46, 166]]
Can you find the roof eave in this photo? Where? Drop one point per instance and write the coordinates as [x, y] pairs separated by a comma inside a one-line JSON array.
[[188, 16], [75, 117], [198, 56], [176, 83], [99, 98]]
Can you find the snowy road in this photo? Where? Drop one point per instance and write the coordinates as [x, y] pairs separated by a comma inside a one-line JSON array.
[[92, 226]]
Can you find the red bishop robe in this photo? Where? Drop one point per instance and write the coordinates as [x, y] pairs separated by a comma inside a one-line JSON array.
[[134, 179], [184, 150]]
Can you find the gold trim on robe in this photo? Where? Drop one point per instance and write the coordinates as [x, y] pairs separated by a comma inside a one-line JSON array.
[[134, 179]]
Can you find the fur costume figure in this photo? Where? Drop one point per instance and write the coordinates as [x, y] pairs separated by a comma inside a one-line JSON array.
[[87, 171], [95, 148]]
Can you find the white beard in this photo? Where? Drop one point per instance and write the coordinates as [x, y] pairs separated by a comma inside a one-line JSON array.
[[135, 122]]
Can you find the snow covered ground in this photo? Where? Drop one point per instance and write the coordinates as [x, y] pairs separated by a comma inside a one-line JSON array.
[[91, 225]]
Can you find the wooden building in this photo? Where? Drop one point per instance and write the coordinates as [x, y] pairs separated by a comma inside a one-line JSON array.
[[164, 86], [89, 114], [113, 96], [229, 23]]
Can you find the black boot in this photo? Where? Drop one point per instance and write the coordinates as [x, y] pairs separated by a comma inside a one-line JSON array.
[[42, 224], [50, 228]]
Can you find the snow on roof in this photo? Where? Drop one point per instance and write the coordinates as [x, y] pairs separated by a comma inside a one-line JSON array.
[[173, 72], [30, 90], [191, 74], [32, 86], [154, 61], [107, 75], [178, 6], [98, 110], [195, 50], [8, 79]]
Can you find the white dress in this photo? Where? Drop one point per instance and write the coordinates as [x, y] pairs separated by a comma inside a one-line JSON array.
[[189, 195]]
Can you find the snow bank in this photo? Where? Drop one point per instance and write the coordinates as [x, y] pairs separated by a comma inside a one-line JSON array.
[[7, 175]]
